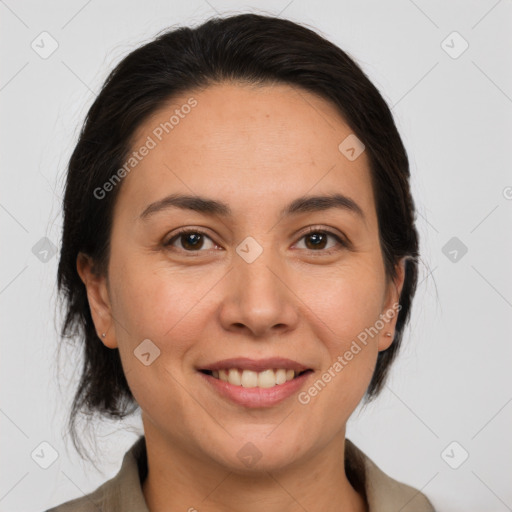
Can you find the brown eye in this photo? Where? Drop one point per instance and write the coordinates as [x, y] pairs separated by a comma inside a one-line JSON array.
[[317, 240], [190, 240]]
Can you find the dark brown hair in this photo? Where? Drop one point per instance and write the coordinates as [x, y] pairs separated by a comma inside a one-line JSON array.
[[247, 48]]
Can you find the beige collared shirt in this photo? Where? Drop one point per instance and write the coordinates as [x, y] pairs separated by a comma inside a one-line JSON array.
[[123, 492]]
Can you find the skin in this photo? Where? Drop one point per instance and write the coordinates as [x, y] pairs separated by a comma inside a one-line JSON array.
[[256, 149]]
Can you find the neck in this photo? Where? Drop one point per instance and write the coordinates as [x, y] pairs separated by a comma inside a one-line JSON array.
[[178, 480]]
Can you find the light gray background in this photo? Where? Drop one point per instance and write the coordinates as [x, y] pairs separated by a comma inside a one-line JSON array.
[[452, 381]]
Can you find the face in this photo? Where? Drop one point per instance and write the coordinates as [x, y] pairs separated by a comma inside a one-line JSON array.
[[262, 279]]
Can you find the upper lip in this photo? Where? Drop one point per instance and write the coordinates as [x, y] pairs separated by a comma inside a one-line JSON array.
[[256, 365]]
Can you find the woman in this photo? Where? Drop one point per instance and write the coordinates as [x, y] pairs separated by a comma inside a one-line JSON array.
[[239, 258]]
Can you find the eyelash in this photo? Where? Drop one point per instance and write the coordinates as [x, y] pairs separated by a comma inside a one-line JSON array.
[[310, 230]]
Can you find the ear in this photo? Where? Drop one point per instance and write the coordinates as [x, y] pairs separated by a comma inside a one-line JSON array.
[[99, 301], [391, 307]]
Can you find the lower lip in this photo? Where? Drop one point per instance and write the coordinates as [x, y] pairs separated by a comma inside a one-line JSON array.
[[257, 397]]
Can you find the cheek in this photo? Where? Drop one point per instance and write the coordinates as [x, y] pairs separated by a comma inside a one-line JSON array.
[[346, 302], [345, 309], [154, 301]]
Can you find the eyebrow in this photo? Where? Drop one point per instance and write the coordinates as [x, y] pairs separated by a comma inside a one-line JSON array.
[[212, 207]]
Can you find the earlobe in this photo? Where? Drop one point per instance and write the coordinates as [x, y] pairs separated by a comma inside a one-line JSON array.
[[99, 301]]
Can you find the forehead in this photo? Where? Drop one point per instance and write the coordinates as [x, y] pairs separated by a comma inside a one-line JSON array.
[[240, 141]]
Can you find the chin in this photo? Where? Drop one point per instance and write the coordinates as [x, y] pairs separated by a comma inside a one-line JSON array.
[[253, 453]]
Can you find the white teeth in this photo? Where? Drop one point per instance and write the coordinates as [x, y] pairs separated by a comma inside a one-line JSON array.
[[266, 379], [280, 376], [234, 377], [251, 379]]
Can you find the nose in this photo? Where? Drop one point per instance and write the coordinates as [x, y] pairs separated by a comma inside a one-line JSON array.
[[259, 299]]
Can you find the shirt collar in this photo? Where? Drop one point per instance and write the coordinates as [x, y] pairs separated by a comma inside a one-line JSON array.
[[383, 493]]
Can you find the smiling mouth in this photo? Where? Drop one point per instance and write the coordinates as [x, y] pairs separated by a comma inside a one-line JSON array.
[[251, 379]]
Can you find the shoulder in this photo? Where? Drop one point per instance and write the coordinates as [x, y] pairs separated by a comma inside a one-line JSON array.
[[383, 493], [88, 503], [120, 493]]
